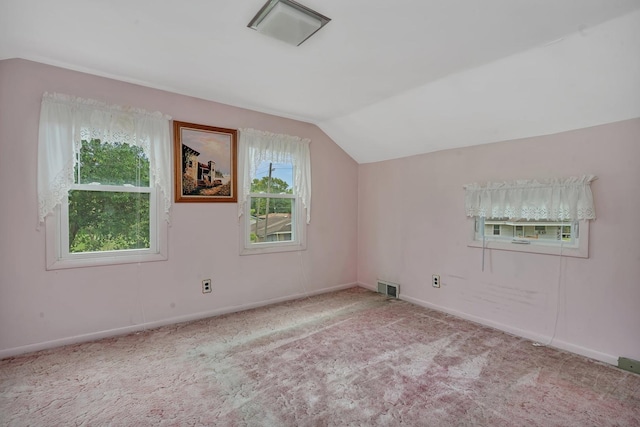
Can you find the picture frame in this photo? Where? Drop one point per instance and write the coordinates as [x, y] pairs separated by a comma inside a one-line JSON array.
[[205, 163]]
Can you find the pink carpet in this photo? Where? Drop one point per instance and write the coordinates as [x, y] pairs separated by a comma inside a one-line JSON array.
[[350, 358]]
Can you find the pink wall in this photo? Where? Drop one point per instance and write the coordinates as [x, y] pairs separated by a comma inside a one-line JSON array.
[[399, 220], [412, 224], [41, 308]]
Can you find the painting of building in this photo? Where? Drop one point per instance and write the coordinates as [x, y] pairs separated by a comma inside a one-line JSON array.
[[201, 174]]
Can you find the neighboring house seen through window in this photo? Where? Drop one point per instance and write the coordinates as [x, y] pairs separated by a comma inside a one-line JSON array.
[[273, 204], [549, 216], [541, 232]]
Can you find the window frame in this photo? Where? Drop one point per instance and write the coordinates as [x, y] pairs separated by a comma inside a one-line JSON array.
[[255, 148], [578, 249], [64, 225], [55, 254], [58, 255], [298, 227], [65, 122]]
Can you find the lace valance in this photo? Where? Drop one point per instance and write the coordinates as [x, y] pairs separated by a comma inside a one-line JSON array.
[[552, 199], [67, 120], [256, 147]]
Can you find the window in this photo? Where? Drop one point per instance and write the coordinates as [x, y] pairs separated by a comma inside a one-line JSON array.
[[109, 206], [273, 204], [104, 202], [554, 238], [275, 193], [528, 231], [548, 217]]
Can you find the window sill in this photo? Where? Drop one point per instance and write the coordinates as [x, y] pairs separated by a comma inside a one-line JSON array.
[[579, 252], [102, 261], [535, 247], [269, 249], [55, 262]]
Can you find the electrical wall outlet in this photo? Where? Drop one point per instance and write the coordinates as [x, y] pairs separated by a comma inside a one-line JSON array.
[[206, 286], [435, 280]]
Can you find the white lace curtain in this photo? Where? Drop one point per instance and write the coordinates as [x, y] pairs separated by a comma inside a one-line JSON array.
[[552, 199], [258, 146], [67, 120]]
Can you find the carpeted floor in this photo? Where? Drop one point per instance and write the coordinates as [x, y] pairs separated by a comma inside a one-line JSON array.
[[350, 358]]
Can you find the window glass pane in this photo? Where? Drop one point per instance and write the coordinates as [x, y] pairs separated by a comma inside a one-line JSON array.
[[271, 219], [107, 221], [536, 231], [112, 164], [281, 180]]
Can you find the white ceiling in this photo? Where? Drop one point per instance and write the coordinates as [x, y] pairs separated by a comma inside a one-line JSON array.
[[384, 79]]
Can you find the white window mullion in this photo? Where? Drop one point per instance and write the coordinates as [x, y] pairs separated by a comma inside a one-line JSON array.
[[112, 188], [154, 210], [265, 155], [272, 196], [71, 125], [63, 230]]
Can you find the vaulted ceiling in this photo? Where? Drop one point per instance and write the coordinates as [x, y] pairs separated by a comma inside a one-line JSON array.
[[384, 79]]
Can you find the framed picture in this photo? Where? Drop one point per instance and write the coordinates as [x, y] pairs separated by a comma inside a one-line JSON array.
[[205, 163]]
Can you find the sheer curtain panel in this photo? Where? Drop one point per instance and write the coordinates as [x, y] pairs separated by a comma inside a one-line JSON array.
[[555, 199], [66, 120], [258, 146]]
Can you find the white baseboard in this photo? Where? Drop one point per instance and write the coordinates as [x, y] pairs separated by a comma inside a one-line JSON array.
[[15, 351], [533, 336], [370, 287]]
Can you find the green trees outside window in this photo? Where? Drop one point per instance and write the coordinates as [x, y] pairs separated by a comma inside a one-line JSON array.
[[109, 207], [276, 205]]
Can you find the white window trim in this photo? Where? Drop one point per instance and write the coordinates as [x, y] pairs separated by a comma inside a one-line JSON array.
[[58, 256], [299, 243], [556, 199], [277, 148], [65, 121], [64, 219], [579, 251]]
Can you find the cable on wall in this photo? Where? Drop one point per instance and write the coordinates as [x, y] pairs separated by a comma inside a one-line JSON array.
[[557, 314], [556, 199]]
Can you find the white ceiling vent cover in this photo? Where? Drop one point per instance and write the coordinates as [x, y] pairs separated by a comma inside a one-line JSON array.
[[288, 21], [389, 289]]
